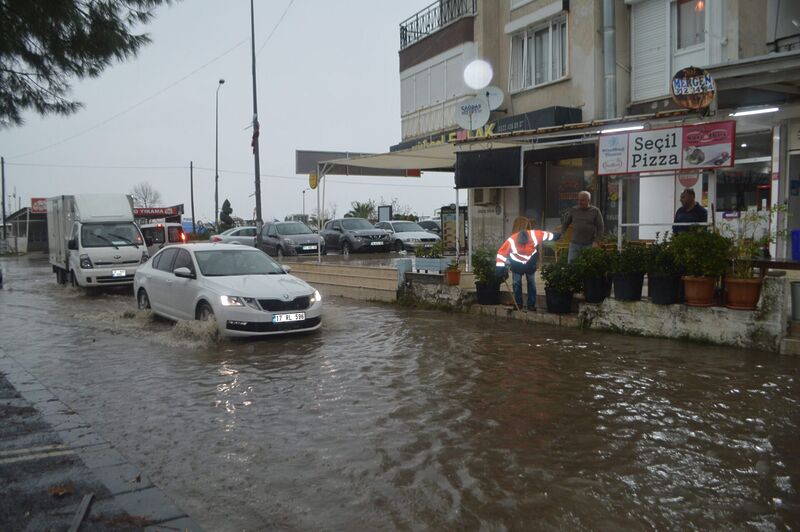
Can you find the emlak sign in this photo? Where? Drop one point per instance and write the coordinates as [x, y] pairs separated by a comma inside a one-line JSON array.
[[690, 147]]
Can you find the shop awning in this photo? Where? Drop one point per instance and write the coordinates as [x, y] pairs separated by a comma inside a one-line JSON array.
[[435, 158]]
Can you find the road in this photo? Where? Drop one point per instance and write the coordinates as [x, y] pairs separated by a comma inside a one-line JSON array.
[[396, 418]]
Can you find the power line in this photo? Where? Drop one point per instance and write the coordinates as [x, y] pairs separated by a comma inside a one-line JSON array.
[[98, 167], [276, 26]]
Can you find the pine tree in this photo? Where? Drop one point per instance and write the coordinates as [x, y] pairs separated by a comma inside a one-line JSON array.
[[45, 45], [225, 220]]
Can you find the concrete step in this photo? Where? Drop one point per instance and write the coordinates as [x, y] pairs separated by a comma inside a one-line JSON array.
[[794, 329], [790, 346]]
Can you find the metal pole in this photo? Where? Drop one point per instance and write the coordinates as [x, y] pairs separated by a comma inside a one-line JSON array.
[[259, 220], [457, 228], [304, 205], [216, 160], [3, 197], [621, 182], [191, 189]]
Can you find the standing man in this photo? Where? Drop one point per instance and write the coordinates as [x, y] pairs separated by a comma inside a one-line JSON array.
[[689, 212], [587, 225]]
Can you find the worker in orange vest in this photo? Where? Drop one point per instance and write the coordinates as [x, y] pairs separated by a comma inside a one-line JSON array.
[[520, 254]]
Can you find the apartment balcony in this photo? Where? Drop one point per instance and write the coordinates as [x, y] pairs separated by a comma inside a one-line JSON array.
[[433, 18]]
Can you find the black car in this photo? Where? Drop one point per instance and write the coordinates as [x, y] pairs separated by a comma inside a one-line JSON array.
[[431, 225], [290, 238], [355, 235]]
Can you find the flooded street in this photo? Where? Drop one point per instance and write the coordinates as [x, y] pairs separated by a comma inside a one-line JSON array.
[[393, 418]]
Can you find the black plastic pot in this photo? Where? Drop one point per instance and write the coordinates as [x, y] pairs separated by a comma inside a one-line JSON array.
[[488, 294], [558, 302], [664, 289], [596, 289], [628, 286]]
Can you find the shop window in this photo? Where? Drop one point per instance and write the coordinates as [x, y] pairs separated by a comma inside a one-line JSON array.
[[691, 22], [539, 55], [747, 184]]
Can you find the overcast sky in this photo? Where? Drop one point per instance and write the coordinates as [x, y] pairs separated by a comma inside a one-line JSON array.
[[328, 79]]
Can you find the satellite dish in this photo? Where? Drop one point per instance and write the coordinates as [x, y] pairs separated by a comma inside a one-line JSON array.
[[472, 113], [478, 74], [493, 95]]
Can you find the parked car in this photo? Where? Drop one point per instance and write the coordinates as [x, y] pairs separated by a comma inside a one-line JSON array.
[[245, 291], [238, 235], [290, 238], [353, 235], [156, 236], [407, 235], [434, 226]]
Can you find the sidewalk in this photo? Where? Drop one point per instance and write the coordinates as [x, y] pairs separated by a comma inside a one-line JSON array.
[[50, 460]]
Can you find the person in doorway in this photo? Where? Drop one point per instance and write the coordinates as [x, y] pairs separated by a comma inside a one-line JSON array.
[[587, 225], [689, 212], [519, 253]]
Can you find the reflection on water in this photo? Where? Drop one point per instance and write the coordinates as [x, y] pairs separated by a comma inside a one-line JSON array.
[[391, 418]]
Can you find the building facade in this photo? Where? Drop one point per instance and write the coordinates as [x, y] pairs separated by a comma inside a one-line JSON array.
[[570, 71]]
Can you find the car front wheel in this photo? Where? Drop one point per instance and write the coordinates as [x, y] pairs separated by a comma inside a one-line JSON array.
[[280, 253], [398, 246], [142, 300], [205, 312], [347, 248]]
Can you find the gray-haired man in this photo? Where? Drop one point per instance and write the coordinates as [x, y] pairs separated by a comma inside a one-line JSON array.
[[587, 225]]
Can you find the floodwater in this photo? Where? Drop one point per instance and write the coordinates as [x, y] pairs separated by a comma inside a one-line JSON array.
[[392, 418]]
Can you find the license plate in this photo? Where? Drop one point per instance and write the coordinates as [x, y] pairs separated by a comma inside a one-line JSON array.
[[306, 248], [117, 273], [376, 243], [280, 318]]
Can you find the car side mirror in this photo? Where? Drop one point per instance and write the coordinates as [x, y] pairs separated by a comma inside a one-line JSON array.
[[148, 241], [184, 272], [287, 269], [72, 243]]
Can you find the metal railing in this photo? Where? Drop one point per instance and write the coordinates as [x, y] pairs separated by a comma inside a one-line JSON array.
[[433, 18]]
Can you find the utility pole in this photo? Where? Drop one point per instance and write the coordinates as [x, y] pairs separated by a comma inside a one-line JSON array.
[[259, 220], [191, 189], [216, 158], [3, 178]]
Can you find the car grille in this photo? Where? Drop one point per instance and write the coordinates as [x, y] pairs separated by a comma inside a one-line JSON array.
[[428, 239], [374, 237], [276, 305], [109, 279], [109, 263], [265, 326]]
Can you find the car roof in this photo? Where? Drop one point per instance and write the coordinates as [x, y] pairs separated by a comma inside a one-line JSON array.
[[214, 246]]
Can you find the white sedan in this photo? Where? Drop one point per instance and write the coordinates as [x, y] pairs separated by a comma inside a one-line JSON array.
[[241, 288]]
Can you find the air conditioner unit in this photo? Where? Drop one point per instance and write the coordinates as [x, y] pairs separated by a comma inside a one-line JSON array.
[[486, 196]]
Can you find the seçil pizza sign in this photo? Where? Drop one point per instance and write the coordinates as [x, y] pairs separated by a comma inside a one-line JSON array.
[[685, 148]]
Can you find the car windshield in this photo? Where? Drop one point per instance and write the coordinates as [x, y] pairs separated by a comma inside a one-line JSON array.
[[295, 228], [110, 234], [222, 262], [356, 224], [406, 227]]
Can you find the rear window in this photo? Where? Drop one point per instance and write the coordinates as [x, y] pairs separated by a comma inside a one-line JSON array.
[[156, 234], [174, 234]]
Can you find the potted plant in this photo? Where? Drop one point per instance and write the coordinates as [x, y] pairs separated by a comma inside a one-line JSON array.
[[593, 267], [431, 259], [629, 267], [452, 274], [703, 256], [748, 240], [487, 285], [663, 273], [561, 281]]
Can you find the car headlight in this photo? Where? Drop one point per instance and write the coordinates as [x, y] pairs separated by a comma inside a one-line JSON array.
[[414, 240], [289, 241], [238, 301], [86, 262], [316, 296], [357, 237]]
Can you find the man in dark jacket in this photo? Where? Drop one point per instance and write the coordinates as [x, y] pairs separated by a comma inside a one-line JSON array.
[[689, 212]]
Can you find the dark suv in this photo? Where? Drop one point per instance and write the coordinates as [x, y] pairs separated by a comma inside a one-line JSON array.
[[354, 235]]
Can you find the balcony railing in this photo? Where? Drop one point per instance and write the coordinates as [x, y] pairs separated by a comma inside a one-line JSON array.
[[433, 18]]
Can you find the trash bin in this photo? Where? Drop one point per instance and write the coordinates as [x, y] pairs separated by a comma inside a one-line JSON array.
[[796, 301], [796, 244]]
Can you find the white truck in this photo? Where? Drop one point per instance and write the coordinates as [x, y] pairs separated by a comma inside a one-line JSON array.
[[93, 240]]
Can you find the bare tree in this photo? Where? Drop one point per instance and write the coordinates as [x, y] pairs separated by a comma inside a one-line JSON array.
[[144, 195]]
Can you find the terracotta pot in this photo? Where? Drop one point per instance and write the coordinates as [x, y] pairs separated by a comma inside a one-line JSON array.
[[452, 277], [699, 291], [742, 294]]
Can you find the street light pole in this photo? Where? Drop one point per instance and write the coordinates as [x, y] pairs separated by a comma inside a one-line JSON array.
[[216, 159], [259, 220], [304, 204]]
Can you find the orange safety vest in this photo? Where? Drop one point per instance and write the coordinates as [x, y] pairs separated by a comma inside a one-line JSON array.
[[521, 257]]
